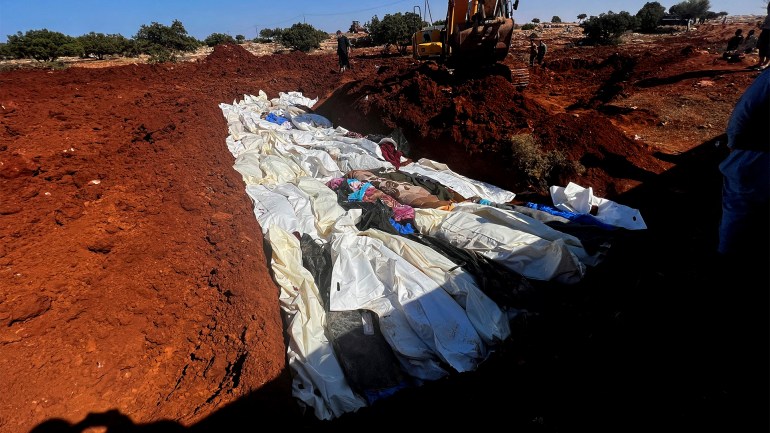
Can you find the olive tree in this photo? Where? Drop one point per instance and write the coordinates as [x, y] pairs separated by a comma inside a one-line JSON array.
[[607, 27], [99, 45], [395, 30], [270, 34], [162, 42], [42, 45], [302, 37], [5, 52], [215, 39], [691, 9], [649, 16]]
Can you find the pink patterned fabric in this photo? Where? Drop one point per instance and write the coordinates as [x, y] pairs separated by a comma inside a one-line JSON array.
[[403, 192], [335, 183], [400, 211]]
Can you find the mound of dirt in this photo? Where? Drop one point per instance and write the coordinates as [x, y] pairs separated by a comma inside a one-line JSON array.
[[468, 123], [136, 294]]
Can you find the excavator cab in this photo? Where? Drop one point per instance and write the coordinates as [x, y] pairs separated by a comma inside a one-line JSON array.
[[427, 42]]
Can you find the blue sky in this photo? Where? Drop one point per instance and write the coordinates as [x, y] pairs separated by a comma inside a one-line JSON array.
[[202, 18]]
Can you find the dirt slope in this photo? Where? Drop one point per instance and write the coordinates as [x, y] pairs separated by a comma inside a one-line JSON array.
[[135, 287]]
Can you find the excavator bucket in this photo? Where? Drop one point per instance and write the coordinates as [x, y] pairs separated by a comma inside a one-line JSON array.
[[476, 38], [482, 43]]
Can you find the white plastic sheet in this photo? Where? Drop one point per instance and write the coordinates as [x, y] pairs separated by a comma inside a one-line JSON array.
[[574, 198], [282, 205], [487, 318], [294, 98], [524, 253], [365, 270], [324, 205], [464, 186], [319, 381], [519, 221], [258, 168]]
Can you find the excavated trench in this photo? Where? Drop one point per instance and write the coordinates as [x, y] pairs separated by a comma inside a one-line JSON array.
[[136, 280]]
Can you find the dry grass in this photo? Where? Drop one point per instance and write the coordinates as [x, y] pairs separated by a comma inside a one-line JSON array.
[[542, 168]]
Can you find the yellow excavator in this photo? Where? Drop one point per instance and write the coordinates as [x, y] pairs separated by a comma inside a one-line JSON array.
[[476, 32]]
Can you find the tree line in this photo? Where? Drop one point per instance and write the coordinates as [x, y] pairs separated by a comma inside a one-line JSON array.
[[393, 30], [164, 43], [608, 27]]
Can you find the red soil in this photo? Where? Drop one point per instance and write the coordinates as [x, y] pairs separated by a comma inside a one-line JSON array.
[[135, 287]]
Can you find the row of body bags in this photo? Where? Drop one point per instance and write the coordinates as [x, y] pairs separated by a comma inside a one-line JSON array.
[[369, 311]]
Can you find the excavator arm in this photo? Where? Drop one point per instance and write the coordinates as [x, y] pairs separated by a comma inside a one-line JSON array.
[[477, 35], [478, 31]]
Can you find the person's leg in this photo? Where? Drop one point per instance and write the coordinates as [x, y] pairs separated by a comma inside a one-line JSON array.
[[745, 192]]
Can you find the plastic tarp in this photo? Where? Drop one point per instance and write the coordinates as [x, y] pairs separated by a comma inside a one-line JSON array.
[[521, 252], [487, 317], [519, 221], [282, 205], [325, 208], [368, 275], [250, 131], [575, 198], [308, 121], [258, 168], [370, 366], [464, 186], [293, 98], [319, 381]]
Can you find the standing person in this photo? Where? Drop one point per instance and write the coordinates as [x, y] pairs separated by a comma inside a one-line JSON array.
[[763, 43], [532, 52], [343, 51], [541, 49], [744, 227]]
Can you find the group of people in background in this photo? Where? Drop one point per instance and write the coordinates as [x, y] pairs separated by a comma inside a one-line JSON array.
[[537, 52], [739, 45]]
